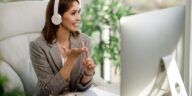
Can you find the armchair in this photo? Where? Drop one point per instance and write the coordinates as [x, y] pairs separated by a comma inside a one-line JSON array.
[[20, 23]]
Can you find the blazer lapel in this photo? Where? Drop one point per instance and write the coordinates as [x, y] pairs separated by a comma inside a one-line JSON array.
[[56, 56], [74, 42]]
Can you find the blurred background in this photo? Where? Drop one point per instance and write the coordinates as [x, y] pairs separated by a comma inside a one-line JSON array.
[[100, 20]]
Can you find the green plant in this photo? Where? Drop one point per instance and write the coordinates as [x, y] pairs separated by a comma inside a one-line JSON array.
[[97, 16], [14, 92]]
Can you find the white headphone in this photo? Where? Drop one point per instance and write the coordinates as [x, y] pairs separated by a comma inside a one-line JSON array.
[[56, 18]]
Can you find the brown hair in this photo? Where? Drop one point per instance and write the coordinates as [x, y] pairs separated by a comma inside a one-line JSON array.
[[49, 29]]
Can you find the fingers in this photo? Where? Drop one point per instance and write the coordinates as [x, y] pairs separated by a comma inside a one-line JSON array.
[[66, 50], [87, 53], [88, 63], [91, 66], [87, 60], [85, 49], [78, 50], [73, 51]]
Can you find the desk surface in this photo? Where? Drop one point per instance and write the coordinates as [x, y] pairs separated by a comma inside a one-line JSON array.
[[93, 91]]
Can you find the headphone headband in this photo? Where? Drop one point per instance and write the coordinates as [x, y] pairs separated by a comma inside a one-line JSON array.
[[56, 6]]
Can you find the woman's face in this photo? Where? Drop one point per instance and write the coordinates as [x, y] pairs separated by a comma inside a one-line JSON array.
[[71, 18]]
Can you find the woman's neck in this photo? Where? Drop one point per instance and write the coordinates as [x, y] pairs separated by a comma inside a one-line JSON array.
[[63, 36]]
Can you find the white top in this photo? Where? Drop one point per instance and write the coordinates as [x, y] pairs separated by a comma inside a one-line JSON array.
[[63, 60]]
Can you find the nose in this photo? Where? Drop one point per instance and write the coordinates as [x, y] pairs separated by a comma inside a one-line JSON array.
[[78, 18]]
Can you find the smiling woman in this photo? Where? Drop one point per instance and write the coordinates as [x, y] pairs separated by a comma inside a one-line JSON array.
[[61, 56]]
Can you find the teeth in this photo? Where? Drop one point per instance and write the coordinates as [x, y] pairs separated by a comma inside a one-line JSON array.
[[75, 24]]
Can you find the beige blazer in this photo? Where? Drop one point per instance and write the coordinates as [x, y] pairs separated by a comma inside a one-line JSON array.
[[47, 63]]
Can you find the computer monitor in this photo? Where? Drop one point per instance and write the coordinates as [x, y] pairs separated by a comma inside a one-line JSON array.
[[145, 38]]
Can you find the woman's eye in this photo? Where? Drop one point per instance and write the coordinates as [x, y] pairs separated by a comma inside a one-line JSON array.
[[76, 12], [73, 13]]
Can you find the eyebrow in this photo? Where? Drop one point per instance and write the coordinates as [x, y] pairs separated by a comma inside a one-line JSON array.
[[76, 10]]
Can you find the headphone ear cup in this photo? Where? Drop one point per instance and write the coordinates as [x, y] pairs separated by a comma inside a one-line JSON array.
[[56, 19]]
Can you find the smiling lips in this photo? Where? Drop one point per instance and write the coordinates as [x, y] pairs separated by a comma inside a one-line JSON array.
[[75, 24]]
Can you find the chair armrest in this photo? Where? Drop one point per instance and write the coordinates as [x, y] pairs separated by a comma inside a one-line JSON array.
[[13, 79]]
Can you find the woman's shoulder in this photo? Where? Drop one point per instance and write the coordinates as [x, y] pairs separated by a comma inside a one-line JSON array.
[[40, 41], [84, 37]]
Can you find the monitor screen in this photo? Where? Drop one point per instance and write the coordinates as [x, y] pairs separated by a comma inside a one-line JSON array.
[[145, 38]]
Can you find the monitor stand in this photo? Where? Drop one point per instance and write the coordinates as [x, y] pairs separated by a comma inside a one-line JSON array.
[[173, 75]]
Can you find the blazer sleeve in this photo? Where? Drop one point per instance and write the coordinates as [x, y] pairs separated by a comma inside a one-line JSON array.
[[81, 87], [49, 83]]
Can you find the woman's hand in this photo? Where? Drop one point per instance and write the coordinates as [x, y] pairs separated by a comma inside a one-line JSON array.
[[72, 54], [88, 64]]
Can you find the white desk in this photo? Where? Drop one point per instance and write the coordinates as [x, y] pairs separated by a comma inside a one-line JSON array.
[[93, 91]]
